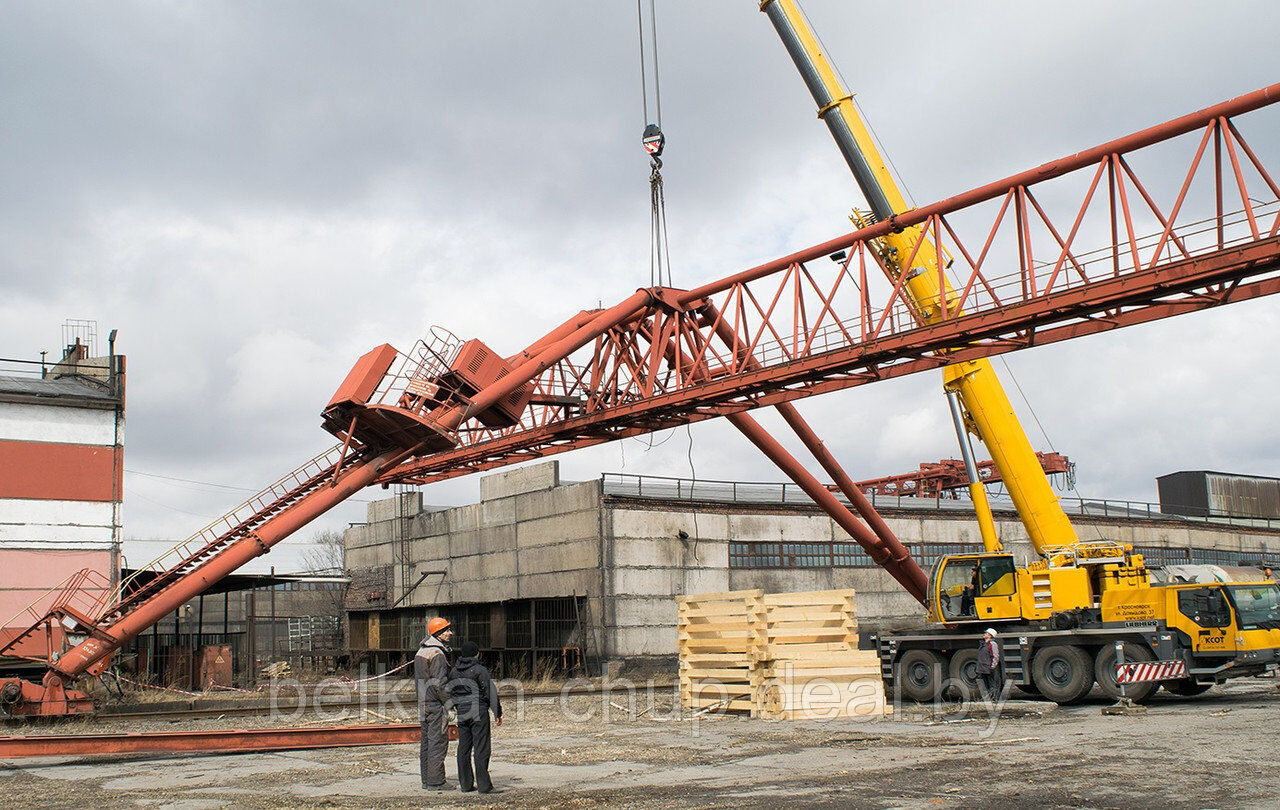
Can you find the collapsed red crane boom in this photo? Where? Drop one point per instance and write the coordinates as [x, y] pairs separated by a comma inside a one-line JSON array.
[[767, 336]]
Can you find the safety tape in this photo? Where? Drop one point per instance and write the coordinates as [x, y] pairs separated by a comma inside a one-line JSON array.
[[159, 688], [222, 688], [343, 680]]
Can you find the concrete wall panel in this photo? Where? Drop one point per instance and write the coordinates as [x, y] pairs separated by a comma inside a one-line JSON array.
[[481, 566], [583, 496], [557, 529], [652, 523], [785, 527], [488, 540], [407, 504], [560, 583], [655, 611], [643, 641], [668, 552], [516, 480], [501, 512], [565, 556]]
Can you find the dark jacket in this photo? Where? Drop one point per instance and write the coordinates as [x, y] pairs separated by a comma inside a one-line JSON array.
[[472, 690], [988, 656], [430, 671]]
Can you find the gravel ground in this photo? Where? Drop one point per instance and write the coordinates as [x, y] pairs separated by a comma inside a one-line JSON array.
[[1211, 751]]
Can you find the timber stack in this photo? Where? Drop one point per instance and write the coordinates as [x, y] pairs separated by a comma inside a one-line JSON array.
[[784, 656]]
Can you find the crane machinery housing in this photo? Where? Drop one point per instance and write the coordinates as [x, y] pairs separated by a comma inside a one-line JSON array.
[[783, 331]]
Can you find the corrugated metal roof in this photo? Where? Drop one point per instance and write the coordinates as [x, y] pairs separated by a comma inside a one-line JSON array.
[[1219, 472]]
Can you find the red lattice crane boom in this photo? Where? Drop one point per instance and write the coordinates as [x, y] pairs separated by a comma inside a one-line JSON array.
[[943, 479], [782, 331]]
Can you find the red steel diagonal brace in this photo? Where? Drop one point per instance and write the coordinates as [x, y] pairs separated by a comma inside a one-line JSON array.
[[879, 540]]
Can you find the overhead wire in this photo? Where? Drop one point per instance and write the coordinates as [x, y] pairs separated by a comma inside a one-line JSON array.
[[657, 85], [207, 484], [1027, 402]]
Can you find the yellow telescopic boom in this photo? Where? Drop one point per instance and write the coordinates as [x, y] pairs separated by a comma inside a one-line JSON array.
[[986, 409]]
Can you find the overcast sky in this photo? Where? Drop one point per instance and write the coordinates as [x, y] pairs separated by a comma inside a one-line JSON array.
[[254, 194]]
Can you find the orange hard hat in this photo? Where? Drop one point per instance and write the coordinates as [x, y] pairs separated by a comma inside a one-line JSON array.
[[436, 625]]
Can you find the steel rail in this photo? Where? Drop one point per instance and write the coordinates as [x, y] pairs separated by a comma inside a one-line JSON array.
[[219, 741], [403, 695]]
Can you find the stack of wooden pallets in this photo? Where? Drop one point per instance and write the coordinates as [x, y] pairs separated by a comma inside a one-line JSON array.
[[785, 656], [810, 665], [718, 634]]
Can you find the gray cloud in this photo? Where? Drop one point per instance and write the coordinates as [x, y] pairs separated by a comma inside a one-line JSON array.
[[255, 194]]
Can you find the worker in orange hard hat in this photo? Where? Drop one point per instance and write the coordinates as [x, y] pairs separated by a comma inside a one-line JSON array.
[[430, 672]]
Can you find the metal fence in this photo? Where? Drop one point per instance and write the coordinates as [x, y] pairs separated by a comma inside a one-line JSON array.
[[756, 492], [771, 554]]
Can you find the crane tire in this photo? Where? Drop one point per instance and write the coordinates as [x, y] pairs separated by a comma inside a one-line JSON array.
[[1104, 671], [1187, 687], [1063, 673], [919, 675], [962, 675]]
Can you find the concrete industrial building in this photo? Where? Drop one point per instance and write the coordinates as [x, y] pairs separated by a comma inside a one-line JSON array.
[[541, 570], [61, 469]]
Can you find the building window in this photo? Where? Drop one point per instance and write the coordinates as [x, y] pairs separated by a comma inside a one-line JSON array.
[[768, 554], [830, 555]]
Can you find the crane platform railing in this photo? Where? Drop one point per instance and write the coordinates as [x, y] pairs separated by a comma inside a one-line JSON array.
[[1177, 218], [83, 595]]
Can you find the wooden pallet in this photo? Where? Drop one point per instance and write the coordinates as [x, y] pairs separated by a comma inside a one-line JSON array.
[[807, 623], [838, 683]]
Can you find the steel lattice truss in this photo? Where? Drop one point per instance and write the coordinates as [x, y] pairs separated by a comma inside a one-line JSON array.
[[1071, 248]]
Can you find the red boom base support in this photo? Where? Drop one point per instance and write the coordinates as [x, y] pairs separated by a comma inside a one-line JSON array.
[[19, 698]]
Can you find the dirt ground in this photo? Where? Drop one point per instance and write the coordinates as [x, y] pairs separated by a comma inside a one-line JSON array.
[[1217, 750]]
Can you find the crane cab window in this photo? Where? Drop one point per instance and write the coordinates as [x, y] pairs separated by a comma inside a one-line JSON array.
[[963, 580], [1206, 607], [995, 577], [956, 586]]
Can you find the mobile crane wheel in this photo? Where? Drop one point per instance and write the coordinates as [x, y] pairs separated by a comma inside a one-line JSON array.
[[1063, 673], [1104, 670]]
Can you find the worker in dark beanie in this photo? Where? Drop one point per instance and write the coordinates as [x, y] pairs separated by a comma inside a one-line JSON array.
[[473, 695]]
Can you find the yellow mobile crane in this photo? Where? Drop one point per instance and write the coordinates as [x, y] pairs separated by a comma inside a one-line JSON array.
[[1067, 617]]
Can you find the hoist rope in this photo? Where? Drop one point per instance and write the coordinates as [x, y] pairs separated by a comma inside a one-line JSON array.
[[644, 75], [659, 249]]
